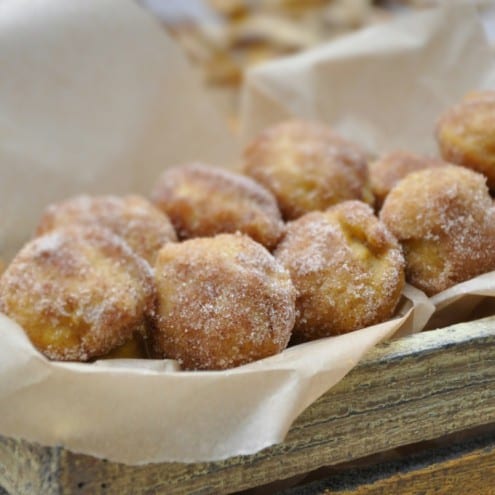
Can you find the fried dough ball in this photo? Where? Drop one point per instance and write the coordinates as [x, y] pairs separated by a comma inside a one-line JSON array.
[[203, 201], [307, 167], [136, 348], [222, 302], [479, 95], [445, 220], [466, 134], [145, 228], [78, 292], [347, 268], [390, 168]]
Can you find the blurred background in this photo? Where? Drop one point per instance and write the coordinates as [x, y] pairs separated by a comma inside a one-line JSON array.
[[223, 38]]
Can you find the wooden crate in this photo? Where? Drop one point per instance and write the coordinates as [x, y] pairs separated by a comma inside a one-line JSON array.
[[415, 389]]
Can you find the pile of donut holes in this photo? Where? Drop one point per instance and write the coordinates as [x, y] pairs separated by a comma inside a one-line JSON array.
[[311, 238]]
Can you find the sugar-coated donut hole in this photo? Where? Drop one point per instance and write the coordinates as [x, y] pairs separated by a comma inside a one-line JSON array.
[[445, 220], [466, 134], [347, 268], [144, 227], [388, 169], [204, 201], [222, 302], [307, 167], [79, 292]]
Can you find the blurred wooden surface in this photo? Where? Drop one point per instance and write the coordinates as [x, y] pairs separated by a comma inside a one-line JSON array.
[[418, 388], [454, 469]]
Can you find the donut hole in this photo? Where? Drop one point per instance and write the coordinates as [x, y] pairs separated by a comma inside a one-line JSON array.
[[366, 246], [307, 167], [466, 135], [64, 333], [427, 261], [203, 201], [222, 302], [78, 292], [347, 268], [358, 242], [136, 348]]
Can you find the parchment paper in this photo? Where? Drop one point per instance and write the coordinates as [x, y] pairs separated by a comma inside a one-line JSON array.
[[131, 413], [95, 98], [469, 300], [385, 86]]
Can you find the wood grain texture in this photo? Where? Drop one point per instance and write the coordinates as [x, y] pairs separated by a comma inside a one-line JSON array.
[[417, 388], [473, 473], [461, 469], [28, 468]]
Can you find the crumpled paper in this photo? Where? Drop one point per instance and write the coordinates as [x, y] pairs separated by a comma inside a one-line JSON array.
[[384, 86], [95, 98]]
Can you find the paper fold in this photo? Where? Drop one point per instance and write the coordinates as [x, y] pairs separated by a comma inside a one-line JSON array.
[[468, 300]]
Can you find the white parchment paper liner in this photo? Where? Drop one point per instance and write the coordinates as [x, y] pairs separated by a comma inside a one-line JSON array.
[[114, 103], [469, 300], [384, 86], [93, 97], [137, 411]]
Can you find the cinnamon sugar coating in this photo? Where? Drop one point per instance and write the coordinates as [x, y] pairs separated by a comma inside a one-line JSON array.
[[204, 201], [466, 134], [78, 292], [389, 169], [222, 302], [347, 267], [445, 220], [145, 228], [307, 167]]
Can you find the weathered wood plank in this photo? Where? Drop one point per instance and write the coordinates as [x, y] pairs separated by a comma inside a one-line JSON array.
[[467, 468], [421, 387], [28, 468]]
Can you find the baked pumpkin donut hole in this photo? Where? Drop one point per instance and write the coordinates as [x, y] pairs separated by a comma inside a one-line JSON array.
[[222, 302], [78, 292], [390, 168], [445, 220], [144, 227], [466, 134], [347, 268], [204, 201], [307, 167]]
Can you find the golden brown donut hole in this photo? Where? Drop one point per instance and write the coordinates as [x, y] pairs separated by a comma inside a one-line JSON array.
[[347, 268], [466, 134], [204, 201], [307, 167], [445, 220], [78, 292], [145, 228], [387, 170], [222, 302]]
